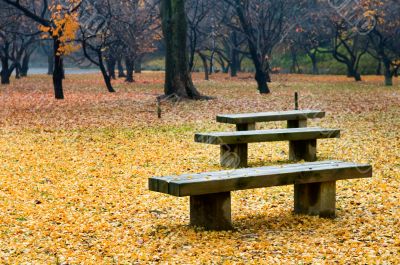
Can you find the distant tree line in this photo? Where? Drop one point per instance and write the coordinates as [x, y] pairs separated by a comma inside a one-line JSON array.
[[108, 34], [116, 35]]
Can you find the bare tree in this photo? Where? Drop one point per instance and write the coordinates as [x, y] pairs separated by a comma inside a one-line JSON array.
[[96, 36], [265, 23], [385, 37], [43, 18], [17, 36], [198, 12], [136, 25]]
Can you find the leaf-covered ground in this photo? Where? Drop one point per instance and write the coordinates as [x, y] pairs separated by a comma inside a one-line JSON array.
[[73, 174]]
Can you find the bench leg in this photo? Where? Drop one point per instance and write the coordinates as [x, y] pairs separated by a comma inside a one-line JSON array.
[[299, 150], [246, 127], [315, 199], [234, 155], [297, 124], [211, 211], [303, 150]]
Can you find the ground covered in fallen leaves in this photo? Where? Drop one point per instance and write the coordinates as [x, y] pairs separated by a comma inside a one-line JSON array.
[[73, 174]]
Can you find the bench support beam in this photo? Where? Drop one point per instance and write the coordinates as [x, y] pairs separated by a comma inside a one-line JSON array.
[[246, 127], [211, 211], [234, 155], [297, 124], [315, 199], [303, 150]]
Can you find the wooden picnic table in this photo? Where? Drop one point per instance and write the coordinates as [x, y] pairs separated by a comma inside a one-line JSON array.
[[314, 182], [247, 121]]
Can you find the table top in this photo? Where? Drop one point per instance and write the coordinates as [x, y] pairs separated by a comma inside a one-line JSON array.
[[246, 118]]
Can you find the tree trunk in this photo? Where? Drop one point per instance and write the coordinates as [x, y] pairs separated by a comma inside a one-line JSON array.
[[211, 67], [192, 44], [234, 62], [314, 62], [357, 76], [111, 62], [17, 71], [262, 78], [138, 65], [241, 58], [129, 70], [50, 64], [351, 72], [388, 73], [379, 68], [5, 75], [262, 75], [315, 69], [178, 81], [121, 72], [25, 64], [58, 72], [234, 54], [106, 77], [205, 65], [63, 69], [224, 67], [294, 69]]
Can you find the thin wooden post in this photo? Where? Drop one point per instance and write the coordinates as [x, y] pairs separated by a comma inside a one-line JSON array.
[[159, 111], [296, 101]]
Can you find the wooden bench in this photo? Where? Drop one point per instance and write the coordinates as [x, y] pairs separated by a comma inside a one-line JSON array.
[[210, 193], [247, 121], [234, 145]]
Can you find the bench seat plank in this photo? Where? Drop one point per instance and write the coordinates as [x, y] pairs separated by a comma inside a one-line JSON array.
[[240, 137], [241, 179], [243, 171], [247, 118]]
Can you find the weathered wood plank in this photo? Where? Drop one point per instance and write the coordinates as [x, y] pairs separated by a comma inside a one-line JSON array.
[[245, 171], [270, 116], [232, 180], [241, 137]]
